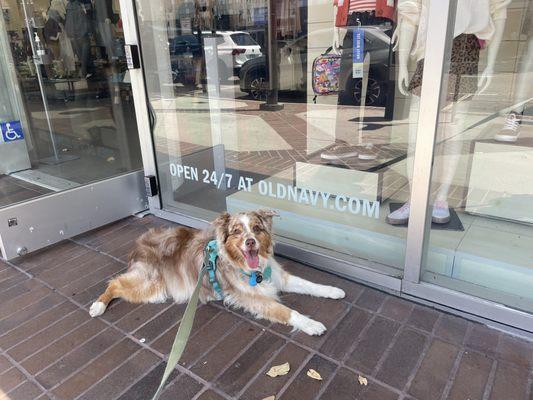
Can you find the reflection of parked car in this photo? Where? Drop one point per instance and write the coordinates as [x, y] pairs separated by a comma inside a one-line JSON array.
[[253, 75], [237, 48], [234, 49]]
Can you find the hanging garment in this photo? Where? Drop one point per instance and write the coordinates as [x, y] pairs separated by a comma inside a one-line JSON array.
[[288, 18], [77, 22], [382, 8], [463, 71], [104, 18], [66, 53], [60, 6], [204, 14]]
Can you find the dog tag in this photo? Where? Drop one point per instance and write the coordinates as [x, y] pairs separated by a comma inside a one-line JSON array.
[[253, 279], [259, 277]]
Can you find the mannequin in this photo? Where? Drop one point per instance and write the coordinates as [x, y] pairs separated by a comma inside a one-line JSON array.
[[54, 33], [488, 25], [350, 13], [203, 21], [523, 93], [104, 19], [78, 30]]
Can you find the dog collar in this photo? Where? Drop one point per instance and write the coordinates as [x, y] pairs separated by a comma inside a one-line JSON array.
[[255, 278], [210, 264]]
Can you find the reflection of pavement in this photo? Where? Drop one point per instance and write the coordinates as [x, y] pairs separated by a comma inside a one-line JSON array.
[[199, 122], [256, 141]]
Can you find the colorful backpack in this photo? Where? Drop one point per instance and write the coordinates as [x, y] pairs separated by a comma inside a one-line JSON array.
[[325, 74]]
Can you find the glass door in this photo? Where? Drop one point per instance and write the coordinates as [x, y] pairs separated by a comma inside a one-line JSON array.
[[292, 106], [483, 158], [68, 122]]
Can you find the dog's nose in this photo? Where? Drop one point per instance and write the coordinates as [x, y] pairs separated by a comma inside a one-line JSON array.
[[250, 243]]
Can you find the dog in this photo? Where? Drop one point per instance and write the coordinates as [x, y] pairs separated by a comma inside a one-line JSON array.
[[166, 263]]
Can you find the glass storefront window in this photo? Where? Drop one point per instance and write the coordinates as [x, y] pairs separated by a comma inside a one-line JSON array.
[[295, 106], [482, 187], [75, 116]]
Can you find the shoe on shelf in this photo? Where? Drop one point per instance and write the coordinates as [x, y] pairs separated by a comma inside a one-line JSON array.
[[440, 213], [339, 151], [400, 216], [511, 128], [368, 152]]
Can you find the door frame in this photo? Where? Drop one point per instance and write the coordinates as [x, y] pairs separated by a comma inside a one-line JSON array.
[[409, 285]]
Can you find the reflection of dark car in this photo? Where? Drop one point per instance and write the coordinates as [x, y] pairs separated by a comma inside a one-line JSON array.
[[253, 74], [185, 43], [182, 49]]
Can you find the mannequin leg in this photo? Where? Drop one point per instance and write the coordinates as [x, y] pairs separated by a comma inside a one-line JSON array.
[[447, 156], [448, 150]]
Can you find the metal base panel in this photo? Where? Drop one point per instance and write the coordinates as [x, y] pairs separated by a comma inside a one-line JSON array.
[[41, 222]]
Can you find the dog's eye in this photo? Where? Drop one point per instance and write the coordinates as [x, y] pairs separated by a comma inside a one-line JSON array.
[[236, 232], [256, 229]]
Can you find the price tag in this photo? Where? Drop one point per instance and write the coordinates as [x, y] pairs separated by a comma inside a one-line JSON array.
[[358, 52]]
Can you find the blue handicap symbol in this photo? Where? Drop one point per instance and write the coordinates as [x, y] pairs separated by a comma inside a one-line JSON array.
[[11, 131]]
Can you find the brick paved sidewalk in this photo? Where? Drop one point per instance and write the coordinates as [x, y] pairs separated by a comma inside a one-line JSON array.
[[51, 348]]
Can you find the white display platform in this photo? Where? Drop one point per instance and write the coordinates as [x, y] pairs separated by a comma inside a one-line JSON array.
[[375, 185], [501, 181]]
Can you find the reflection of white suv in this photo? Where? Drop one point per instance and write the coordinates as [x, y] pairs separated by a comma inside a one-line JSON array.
[[234, 49]]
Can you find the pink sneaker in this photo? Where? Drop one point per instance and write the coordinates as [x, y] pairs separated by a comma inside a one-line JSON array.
[[400, 216], [441, 212]]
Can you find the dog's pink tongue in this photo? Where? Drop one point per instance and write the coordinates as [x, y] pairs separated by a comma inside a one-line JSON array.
[[252, 259]]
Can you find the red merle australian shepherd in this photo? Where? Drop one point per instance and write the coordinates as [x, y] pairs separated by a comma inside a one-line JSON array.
[[165, 263]]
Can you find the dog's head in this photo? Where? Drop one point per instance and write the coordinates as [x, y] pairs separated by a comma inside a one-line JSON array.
[[245, 237]]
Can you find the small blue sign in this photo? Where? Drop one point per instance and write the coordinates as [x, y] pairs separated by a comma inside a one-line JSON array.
[[11, 131], [358, 52]]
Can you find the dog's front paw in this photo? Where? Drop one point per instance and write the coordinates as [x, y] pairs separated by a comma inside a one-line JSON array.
[[97, 308], [306, 324], [335, 293], [314, 328]]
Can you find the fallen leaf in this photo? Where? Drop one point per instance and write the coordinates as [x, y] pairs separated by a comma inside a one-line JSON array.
[[279, 370], [313, 374], [362, 380], [270, 398]]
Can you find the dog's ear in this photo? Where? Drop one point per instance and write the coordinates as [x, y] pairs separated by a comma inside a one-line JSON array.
[[266, 216], [221, 226]]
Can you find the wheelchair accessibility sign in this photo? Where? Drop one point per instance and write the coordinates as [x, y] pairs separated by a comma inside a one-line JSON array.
[[11, 131]]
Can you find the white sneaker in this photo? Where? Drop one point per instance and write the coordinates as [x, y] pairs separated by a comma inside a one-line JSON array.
[[400, 216], [440, 213], [511, 128], [339, 151], [368, 153]]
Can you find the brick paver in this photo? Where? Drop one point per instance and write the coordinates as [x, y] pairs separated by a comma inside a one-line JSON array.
[[51, 349]]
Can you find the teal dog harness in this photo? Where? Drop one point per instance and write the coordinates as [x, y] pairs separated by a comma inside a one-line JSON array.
[[210, 264]]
